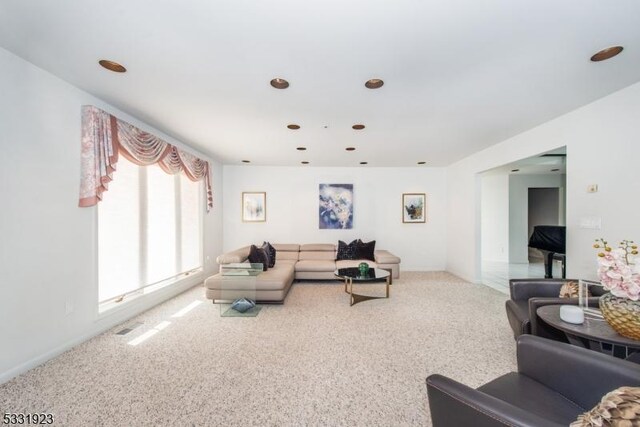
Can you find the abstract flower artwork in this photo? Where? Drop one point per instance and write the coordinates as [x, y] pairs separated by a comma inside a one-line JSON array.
[[335, 206]]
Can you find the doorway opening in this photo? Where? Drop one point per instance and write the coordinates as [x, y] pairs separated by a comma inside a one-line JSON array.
[[515, 198]]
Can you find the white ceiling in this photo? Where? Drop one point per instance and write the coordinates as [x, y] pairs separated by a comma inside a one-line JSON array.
[[460, 75], [553, 162]]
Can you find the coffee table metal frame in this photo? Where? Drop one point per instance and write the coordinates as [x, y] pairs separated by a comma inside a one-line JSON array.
[[378, 276]]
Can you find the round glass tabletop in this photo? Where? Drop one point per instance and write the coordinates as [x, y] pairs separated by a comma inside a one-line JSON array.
[[353, 273]]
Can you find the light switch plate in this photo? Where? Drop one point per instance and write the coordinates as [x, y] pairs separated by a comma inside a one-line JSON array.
[[591, 222]]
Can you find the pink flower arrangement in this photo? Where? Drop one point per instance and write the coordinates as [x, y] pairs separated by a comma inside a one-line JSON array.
[[617, 270]]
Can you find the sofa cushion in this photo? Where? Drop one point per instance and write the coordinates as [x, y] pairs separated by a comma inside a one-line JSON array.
[[306, 255], [316, 265], [289, 247], [259, 255], [366, 250], [347, 263], [265, 249], [287, 256], [275, 278], [318, 247], [271, 253], [316, 275], [349, 251]]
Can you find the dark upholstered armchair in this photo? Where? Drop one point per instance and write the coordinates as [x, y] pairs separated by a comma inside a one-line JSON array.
[[527, 295], [555, 382]]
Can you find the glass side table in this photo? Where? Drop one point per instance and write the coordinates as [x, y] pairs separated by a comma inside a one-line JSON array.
[[238, 281]]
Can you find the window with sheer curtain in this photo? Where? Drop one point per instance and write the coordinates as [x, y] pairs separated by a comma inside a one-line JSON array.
[[149, 231]]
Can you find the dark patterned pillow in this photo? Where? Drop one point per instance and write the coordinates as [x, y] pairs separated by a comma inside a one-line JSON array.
[[271, 252], [266, 251], [366, 250], [345, 251], [258, 255]]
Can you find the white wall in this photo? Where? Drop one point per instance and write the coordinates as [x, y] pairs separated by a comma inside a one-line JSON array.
[[602, 148], [48, 255], [292, 209], [519, 211], [495, 218]]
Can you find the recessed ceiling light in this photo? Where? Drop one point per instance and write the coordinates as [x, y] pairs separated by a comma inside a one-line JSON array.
[[555, 170], [364, 163], [293, 126], [112, 66], [304, 162], [358, 127], [350, 148], [422, 163], [301, 148], [279, 83], [374, 83], [246, 161], [607, 53], [515, 170]]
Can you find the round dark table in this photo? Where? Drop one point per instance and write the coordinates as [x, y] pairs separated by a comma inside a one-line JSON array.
[[595, 333], [350, 275]]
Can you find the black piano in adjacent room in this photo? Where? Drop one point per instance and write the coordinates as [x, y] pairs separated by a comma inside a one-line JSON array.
[[551, 241]]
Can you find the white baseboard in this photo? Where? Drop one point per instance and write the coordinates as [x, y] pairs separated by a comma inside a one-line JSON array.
[[104, 323], [39, 360]]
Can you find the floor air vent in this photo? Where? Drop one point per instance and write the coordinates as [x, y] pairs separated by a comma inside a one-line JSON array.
[[128, 329]]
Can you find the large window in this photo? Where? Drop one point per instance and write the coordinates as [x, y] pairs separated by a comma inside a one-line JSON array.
[[149, 230]]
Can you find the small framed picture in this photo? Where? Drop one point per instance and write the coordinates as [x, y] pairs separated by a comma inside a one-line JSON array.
[[254, 206], [414, 207]]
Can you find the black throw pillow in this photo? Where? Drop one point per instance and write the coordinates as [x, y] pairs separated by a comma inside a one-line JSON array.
[[271, 252], [345, 251], [365, 250], [259, 256], [266, 251]]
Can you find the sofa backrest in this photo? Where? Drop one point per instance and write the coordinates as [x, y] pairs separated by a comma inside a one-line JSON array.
[[317, 251], [286, 251]]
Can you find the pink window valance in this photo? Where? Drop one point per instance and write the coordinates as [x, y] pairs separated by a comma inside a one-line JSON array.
[[104, 137]]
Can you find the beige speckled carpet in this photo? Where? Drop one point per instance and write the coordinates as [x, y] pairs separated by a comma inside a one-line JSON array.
[[312, 361]]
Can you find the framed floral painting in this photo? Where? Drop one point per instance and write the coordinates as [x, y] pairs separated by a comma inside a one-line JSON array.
[[335, 204]]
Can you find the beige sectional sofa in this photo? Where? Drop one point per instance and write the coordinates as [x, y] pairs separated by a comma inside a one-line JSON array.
[[293, 262]]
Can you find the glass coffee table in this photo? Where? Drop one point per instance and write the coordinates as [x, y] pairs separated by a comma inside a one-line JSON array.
[[350, 275]]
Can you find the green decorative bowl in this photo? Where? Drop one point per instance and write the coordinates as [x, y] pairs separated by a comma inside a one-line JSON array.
[[364, 268]]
